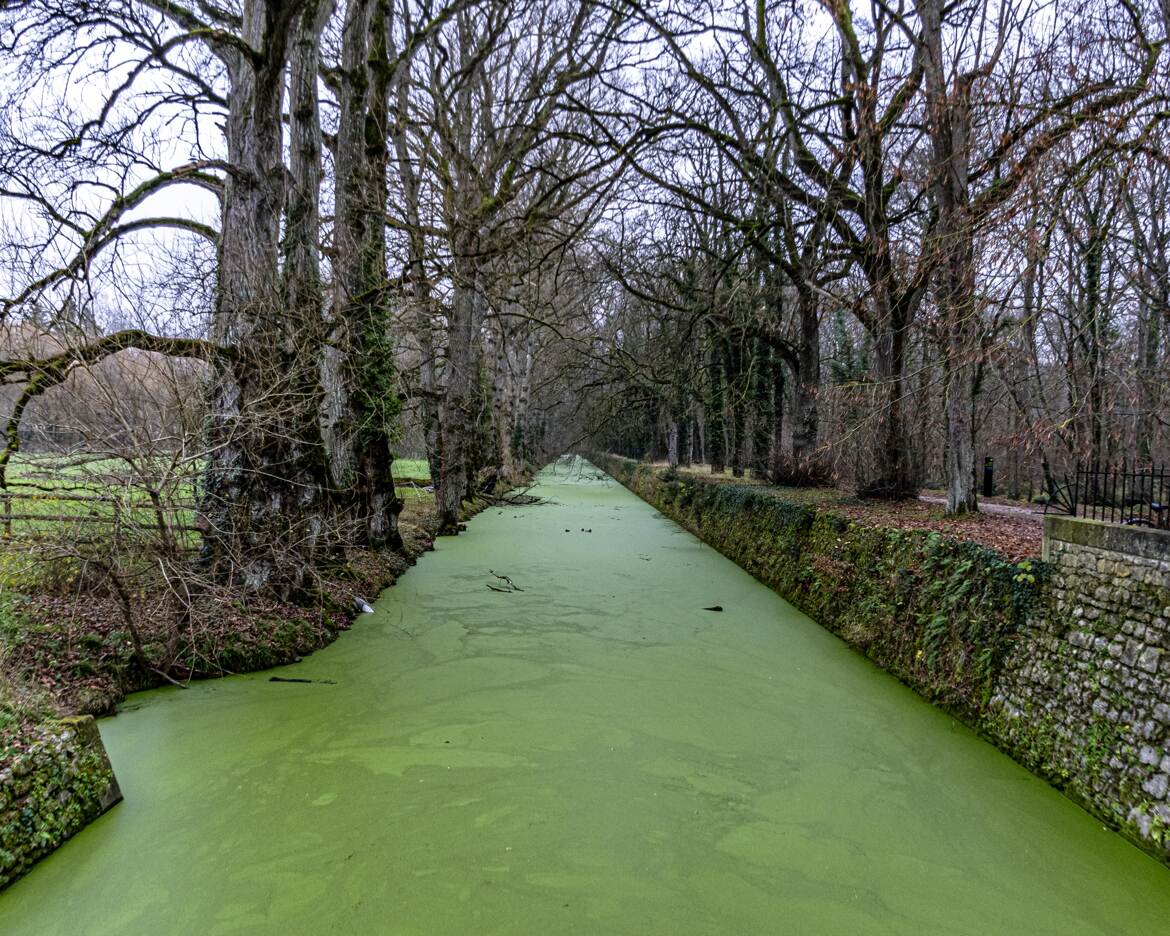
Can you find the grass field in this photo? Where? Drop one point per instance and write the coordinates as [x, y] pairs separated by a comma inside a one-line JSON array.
[[416, 469]]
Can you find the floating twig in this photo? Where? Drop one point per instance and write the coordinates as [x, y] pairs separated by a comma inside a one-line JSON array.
[[512, 586]]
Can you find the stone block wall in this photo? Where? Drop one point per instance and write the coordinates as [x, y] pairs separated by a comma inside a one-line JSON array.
[[1084, 698], [58, 781]]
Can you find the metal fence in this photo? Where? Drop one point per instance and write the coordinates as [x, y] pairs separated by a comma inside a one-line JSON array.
[[1117, 494]]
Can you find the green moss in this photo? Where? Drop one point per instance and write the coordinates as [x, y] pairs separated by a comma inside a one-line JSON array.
[[57, 779], [377, 400]]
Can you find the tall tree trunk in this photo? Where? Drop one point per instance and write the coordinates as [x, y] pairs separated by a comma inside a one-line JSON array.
[[1150, 387], [523, 395], [716, 403], [762, 414], [805, 417], [360, 271], [304, 292], [949, 126], [263, 504], [893, 476], [737, 440], [304, 295], [737, 391], [415, 279], [672, 431], [463, 203], [502, 406], [459, 405], [777, 462], [959, 389]]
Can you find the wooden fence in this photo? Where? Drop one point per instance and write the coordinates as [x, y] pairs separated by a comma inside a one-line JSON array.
[[120, 519]]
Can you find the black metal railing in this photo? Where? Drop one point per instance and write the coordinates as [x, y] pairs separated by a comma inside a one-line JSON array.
[[1117, 494]]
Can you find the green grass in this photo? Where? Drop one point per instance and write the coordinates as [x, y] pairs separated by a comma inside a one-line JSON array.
[[414, 468]]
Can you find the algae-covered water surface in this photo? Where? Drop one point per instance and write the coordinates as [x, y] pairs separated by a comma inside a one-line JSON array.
[[584, 750]]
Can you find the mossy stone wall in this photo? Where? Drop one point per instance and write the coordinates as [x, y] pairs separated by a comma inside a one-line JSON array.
[[1084, 698], [1062, 663], [55, 783]]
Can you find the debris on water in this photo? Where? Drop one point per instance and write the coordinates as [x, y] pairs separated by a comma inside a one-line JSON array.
[[328, 682], [714, 608], [510, 585], [361, 605]]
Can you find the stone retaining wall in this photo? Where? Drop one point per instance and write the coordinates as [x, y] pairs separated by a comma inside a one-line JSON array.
[[58, 783], [1063, 663], [1084, 700]]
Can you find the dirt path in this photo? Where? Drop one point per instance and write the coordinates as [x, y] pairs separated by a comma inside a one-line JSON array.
[[1002, 510]]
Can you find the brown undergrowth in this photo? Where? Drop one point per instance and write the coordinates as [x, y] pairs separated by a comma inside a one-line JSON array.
[[71, 648], [1017, 534]]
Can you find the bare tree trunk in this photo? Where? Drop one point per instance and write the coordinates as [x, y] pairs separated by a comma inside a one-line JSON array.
[[738, 438], [523, 395], [304, 293], [672, 440], [360, 270], [302, 269], [762, 414], [893, 476], [701, 435], [463, 331], [417, 283], [461, 373], [1150, 387], [502, 408], [959, 372], [735, 427], [949, 126], [263, 503], [777, 460], [805, 417], [716, 404]]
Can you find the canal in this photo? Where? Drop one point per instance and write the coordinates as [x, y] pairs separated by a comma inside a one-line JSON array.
[[541, 730]]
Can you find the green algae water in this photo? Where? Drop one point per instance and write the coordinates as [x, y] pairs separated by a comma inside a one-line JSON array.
[[594, 753]]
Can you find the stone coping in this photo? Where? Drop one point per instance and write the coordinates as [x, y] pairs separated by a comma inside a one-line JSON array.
[[1146, 542]]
